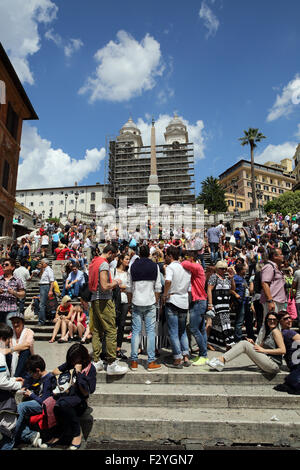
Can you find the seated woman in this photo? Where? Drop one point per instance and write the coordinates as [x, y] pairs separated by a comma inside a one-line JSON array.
[[71, 406], [21, 345], [61, 320], [267, 356], [77, 323]]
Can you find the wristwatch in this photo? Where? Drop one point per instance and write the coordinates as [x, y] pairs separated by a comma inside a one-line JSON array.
[[270, 301]]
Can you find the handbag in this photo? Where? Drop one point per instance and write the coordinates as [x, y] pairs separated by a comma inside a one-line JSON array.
[[291, 308], [29, 312]]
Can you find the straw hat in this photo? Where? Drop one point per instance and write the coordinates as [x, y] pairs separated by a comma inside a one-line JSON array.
[[66, 299], [221, 264]]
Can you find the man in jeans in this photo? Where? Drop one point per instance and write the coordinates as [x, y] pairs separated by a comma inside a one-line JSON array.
[[176, 298], [198, 306], [46, 289], [213, 238], [144, 289]]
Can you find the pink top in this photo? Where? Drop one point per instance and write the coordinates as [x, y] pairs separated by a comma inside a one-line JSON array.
[[197, 279], [27, 335], [271, 274]]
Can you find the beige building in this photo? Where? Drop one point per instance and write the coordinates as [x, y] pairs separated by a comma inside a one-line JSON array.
[[272, 180], [296, 158]]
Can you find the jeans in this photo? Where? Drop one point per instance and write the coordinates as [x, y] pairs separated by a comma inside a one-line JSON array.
[[7, 443], [177, 332], [197, 325], [44, 291], [25, 409], [148, 315], [214, 252], [239, 321], [201, 258]]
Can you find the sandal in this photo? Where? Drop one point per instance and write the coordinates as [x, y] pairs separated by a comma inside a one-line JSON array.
[[63, 341], [52, 340]]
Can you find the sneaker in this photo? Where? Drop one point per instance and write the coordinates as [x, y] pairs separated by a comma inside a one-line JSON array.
[[129, 336], [200, 361], [99, 365], [133, 365], [116, 369], [37, 442], [216, 364], [153, 366]]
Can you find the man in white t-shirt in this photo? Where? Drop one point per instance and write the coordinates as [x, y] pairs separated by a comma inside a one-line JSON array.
[[176, 298], [23, 274]]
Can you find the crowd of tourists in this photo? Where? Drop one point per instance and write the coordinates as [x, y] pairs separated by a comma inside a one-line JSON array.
[[234, 289]]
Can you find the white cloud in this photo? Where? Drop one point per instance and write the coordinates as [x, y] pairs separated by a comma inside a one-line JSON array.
[[126, 69], [19, 21], [211, 22], [43, 166], [286, 102], [69, 47], [72, 46], [275, 153], [195, 131]]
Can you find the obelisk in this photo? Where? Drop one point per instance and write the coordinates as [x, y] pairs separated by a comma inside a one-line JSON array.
[[153, 189]]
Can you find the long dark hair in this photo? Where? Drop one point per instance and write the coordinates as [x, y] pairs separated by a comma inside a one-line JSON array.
[[267, 328], [78, 354]]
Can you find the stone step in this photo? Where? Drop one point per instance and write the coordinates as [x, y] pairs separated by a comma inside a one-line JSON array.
[[193, 396], [192, 376], [201, 425]]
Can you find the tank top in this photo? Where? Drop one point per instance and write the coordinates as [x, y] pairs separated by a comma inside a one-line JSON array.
[[269, 343]]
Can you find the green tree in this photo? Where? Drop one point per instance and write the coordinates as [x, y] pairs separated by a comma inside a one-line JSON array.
[[251, 137], [287, 203], [212, 195]]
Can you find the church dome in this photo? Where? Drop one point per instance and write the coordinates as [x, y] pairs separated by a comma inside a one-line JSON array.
[[130, 126], [176, 131]]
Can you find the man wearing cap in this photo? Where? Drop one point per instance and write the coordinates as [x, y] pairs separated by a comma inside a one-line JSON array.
[[46, 289]]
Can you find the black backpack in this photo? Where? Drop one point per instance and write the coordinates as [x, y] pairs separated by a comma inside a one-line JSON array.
[[257, 281]]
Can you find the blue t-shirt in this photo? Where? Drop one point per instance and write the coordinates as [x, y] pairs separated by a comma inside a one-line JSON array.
[[240, 286], [288, 336]]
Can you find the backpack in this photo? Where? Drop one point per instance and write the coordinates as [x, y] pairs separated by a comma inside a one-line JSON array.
[[132, 243], [257, 281], [285, 248]]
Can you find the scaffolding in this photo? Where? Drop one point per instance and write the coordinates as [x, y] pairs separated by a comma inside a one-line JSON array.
[[129, 171]]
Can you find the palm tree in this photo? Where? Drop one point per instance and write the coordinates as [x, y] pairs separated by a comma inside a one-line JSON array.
[[250, 138]]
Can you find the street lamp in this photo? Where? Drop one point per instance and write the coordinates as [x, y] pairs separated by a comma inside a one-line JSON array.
[[76, 198], [259, 196], [235, 189], [66, 197]]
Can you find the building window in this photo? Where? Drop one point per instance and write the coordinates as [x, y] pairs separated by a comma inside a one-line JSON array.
[[93, 196], [250, 195], [92, 208], [266, 188], [258, 186], [5, 177], [61, 203], [51, 203], [72, 201], [273, 190], [51, 193], [12, 121], [41, 203], [41, 194], [81, 201], [239, 204], [31, 204], [230, 203], [249, 184], [281, 191], [288, 185], [266, 198]]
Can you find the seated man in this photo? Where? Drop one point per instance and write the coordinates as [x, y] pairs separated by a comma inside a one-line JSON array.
[[74, 281], [291, 340], [38, 386]]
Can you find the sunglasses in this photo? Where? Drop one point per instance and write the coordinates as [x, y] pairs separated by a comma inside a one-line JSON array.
[[5, 264], [272, 319], [286, 318]]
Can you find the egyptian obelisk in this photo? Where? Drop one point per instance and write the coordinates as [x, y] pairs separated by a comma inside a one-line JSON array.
[[153, 189]]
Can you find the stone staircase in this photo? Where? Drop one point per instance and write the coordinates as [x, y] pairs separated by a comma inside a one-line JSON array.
[[193, 409]]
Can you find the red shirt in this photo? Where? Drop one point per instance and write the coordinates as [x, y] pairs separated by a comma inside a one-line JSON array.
[[61, 253], [197, 279]]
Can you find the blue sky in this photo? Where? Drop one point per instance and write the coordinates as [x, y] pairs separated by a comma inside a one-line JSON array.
[[222, 65]]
